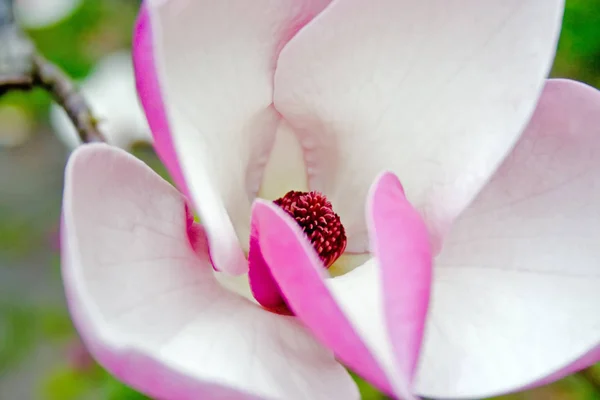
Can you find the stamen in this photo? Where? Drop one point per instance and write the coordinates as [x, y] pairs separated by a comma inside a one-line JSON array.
[[314, 213]]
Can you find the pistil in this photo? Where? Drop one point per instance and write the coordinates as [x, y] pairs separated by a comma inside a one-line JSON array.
[[315, 215]]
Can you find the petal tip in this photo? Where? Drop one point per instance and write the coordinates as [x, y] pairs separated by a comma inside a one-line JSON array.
[[387, 180]]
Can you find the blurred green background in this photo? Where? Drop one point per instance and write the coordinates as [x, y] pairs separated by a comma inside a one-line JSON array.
[[40, 355]]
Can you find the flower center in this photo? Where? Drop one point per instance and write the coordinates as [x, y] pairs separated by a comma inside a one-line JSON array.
[[314, 213]]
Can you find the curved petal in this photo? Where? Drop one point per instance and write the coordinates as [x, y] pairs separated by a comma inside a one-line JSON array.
[[351, 314], [298, 271], [516, 288], [149, 92], [214, 63], [110, 90], [435, 91], [400, 242], [149, 308]]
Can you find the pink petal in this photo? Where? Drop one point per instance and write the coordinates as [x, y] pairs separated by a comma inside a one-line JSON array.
[[351, 314], [435, 91], [300, 275], [148, 305], [214, 65], [148, 89], [516, 288], [264, 288], [400, 241]]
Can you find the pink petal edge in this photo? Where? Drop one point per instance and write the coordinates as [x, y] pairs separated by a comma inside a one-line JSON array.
[[225, 254], [523, 250], [298, 272], [151, 98], [593, 355], [400, 241], [216, 130], [130, 364]]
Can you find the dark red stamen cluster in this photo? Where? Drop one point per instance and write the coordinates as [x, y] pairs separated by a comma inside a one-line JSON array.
[[314, 213]]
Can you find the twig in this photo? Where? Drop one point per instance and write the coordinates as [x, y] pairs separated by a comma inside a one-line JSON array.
[[51, 78], [22, 68]]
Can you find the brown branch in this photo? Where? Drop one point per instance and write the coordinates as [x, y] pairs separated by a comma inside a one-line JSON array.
[[54, 81], [21, 68], [16, 67]]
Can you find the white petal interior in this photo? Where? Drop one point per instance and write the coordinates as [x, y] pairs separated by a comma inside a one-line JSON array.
[[215, 62], [435, 91], [285, 170]]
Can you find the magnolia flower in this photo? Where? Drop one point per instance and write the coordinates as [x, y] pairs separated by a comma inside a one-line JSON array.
[[110, 90], [38, 14], [496, 214]]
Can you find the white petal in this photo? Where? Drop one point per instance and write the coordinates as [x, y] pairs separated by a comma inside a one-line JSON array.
[[359, 296], [435, 91], [285, 169], [516, 285], [149, 308], [215, 63]]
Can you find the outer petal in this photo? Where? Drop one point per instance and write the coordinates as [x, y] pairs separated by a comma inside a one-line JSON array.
[[516, 290], [110, 89], [149, 91], [214, 63], [149, 308], [435, 91], [347, 313]]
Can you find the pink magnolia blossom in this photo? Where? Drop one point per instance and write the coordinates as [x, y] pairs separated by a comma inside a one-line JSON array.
[[500, 173]]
